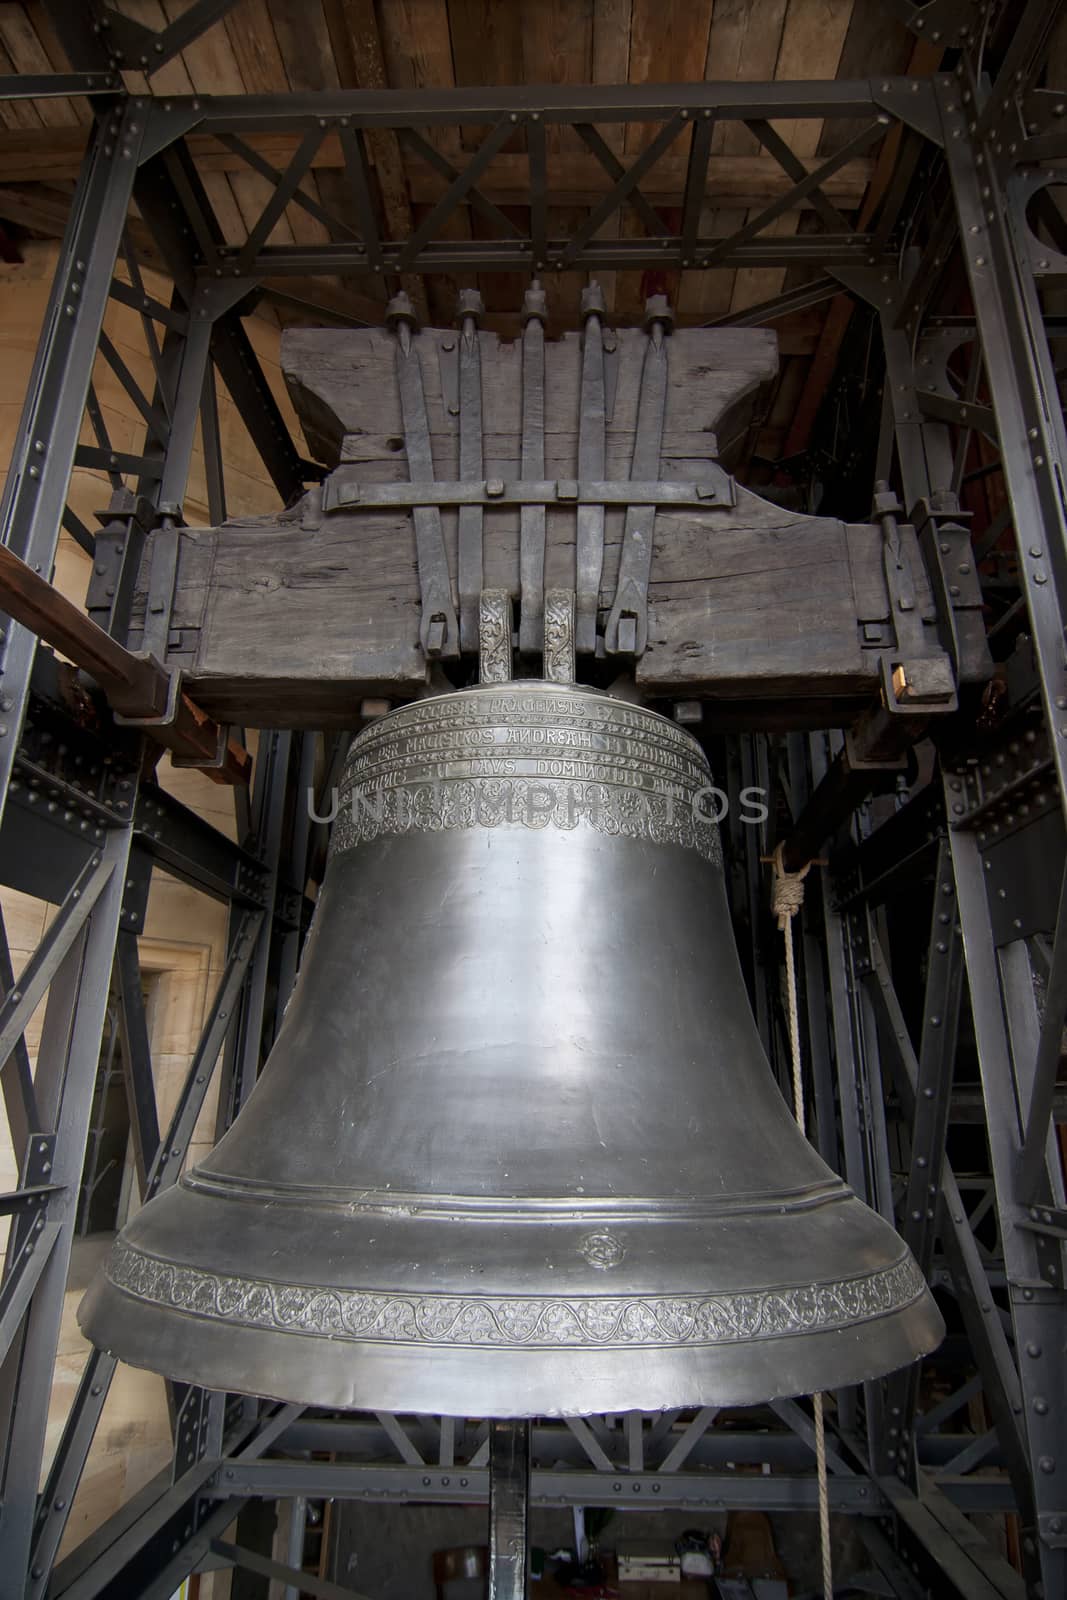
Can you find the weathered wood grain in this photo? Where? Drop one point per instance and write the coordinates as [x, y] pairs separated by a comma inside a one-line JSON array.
[[714, 376], [291, 619], [293, 625]]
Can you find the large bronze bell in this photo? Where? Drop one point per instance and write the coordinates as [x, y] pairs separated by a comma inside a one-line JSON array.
[[517, 1149]]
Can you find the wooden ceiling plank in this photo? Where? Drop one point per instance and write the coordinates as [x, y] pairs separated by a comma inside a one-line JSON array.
[[209, 59], [58, 60], [255, 47], [668, 44], [756, 284], [308, 45], [35, 209], [219, 189], [16, 113], [360, 64], [876, 44], [710, 293], [487, 47], [812, 40], [743, 46], [28, 54], [557, 47], [417, 49], [612, 21]]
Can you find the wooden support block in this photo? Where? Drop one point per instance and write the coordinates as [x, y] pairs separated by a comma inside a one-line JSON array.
[[291, 620]]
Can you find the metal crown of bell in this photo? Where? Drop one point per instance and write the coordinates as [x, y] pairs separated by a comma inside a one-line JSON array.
[[517, 1149]]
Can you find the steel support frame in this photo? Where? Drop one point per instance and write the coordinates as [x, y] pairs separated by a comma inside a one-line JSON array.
[[880, 1464], [90, 846]]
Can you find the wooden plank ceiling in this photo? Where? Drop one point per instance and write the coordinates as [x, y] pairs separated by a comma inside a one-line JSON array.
[[267, 46]]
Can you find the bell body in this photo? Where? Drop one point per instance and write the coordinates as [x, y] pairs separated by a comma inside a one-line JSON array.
[[517, 1149]]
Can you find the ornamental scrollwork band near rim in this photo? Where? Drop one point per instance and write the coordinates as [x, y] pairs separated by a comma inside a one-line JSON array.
[[631, 1320]]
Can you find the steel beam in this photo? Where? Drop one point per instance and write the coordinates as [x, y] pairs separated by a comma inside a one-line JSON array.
[[35, 492], [66, 1075], [562, 103], [470, 1486]]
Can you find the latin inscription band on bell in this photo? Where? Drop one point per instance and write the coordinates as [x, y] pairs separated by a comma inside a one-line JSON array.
[[528, 760]]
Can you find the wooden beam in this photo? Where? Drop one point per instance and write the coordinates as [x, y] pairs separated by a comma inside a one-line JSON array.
[[136, 686]]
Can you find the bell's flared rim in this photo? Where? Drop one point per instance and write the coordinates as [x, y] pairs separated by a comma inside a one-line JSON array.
[[493, 1381]]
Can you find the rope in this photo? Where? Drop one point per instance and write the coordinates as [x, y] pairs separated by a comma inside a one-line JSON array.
[[787, 897]]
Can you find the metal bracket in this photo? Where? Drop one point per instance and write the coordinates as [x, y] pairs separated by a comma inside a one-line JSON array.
[[918, 686], [913, 101], [899, 578], [946, 547], [914, 681], [532, 518], [611, 375], [469, 557], [592, 445], [213, 763], [626, 631], [438, 628], [715, 491], [168, 715], [448, 373], [182, 725]]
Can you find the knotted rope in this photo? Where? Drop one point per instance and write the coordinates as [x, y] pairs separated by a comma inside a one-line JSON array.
[[787, 897]]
